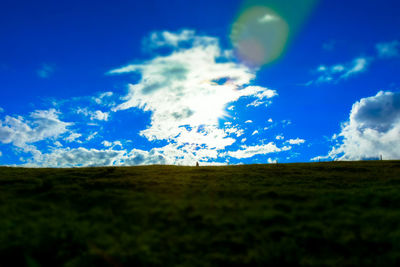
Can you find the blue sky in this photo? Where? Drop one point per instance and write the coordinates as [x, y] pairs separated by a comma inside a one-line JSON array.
[[87, 83]]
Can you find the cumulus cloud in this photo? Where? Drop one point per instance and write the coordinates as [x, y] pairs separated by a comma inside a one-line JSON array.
[[43, 124], [67, 157], [169, 154], [99, 115], [337, 72], [251, 151], [373, 129], [388, 50], [188, 90]]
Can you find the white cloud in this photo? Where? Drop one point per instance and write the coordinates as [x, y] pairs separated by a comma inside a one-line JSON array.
[[99, 115], [1, 154], [58, 144], [388, 50], [169, 154], [270, 120], [45, 71], [359, 65], [67, 157], [234, 130], [279, 137], [72, 157], [372, 130], [187, 93], [339, 72], [91, 136], [250, 151], [94, 115], [73, 137], [248, 121], [261, 96], [188, 90], [106, 143], [296, 141], [102, 98], [186, 154], [286, 123], [43, 124], [112, 144], [239, 132], [210, 136], [255, 132], [1, 110], [166, 38]]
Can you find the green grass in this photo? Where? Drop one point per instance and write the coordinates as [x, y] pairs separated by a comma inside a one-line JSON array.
[[330, 214]]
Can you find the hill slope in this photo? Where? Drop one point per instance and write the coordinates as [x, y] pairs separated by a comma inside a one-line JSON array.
[[336, 213]]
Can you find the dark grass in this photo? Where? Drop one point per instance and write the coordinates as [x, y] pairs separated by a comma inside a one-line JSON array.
[[319, 214]]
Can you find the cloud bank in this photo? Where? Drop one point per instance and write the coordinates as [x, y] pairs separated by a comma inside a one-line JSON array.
[[373, 129], [189, 86]]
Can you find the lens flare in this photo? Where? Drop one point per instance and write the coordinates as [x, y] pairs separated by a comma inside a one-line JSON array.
[[261, 32], [259, 36]]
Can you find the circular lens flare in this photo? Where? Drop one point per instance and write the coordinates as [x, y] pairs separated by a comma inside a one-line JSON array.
[[259, 36]]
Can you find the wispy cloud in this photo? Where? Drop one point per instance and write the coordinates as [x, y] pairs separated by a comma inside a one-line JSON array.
[[251, 151], [45, 71], [388, 50], [337, 72], [329, 46]]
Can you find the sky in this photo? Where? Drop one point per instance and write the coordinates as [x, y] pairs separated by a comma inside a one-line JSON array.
[[93, 83]]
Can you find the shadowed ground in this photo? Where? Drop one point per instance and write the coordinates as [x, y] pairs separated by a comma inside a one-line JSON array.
[[334, 213]]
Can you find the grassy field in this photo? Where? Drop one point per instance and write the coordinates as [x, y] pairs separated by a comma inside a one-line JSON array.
[[331, 214]]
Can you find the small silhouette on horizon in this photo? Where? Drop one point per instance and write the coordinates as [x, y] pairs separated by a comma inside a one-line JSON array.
[[197, 164]]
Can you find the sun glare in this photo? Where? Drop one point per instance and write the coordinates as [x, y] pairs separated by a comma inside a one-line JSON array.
[[259, 35], [262, 29]]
